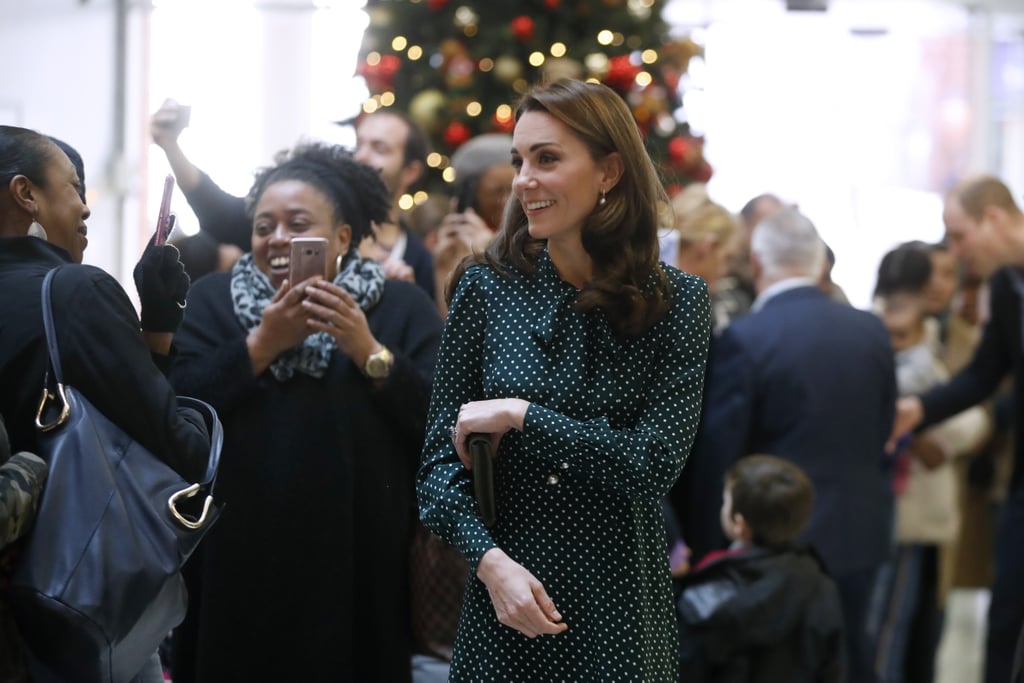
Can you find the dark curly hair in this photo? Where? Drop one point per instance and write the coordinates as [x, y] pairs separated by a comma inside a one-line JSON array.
[[621, 235], [355, 190]]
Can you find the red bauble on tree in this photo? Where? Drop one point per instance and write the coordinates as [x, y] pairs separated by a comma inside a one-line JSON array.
[[522, 28], [686, 156], [703, 172], [551, 5], [437, 5], [621, 74], [678, 150], [502, 125], [380, 76], [456, 134]]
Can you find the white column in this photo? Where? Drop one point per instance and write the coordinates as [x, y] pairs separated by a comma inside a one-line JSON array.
[[286, 69], [982, 156]]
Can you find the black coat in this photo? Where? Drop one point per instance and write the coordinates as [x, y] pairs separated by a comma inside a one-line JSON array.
[[305, 576], [761, 616], [102, 354], [997, 355]]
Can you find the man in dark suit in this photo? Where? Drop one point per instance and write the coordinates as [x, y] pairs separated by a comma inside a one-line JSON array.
[[810, 380]]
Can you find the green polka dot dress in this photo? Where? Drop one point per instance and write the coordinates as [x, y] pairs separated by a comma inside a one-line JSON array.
[[609, 427]]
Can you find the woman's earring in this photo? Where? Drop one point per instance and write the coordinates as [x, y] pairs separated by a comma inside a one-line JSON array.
[[603, 200], [337, 266], [36, 230]]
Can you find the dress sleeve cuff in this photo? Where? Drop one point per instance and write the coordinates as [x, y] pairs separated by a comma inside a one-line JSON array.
[[553, 436]]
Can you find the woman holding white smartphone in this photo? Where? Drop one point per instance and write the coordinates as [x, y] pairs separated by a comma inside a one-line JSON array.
[[322, 386]]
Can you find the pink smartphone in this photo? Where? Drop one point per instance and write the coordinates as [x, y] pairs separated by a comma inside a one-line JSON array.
[[308, 258], [163, 219]]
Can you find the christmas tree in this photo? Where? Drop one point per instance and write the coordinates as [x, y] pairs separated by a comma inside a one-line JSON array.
[[457, 67]]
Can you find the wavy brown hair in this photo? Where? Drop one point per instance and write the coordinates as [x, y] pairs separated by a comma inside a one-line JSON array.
[[621, 235]]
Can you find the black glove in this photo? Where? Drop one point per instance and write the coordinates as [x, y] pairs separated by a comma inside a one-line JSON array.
[[162, 283]]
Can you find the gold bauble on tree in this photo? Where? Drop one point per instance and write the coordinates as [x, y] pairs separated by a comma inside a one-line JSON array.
[[426, 109], [380, 17], [507, 69], [562, 67], [598, 65], [452, 48]]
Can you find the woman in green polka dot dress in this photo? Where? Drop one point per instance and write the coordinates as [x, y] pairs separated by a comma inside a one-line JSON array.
[[583, 358]]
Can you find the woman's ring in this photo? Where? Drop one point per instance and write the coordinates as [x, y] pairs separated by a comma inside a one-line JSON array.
[[454, 432]]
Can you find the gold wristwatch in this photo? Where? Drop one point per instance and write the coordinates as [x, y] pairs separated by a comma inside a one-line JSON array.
[[378, 365]]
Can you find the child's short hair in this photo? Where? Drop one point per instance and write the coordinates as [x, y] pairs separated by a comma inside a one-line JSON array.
[[774, 496]]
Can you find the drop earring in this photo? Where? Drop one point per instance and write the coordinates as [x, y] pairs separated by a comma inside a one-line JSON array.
[[603, 200], [35, 229], [337, 266]]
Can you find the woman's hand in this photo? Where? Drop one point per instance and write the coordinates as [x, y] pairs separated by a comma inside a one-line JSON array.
[[519, 599], [397, 270], [494, 417], [679, 560], [330, 309], [394, 269], [929, 451], [167, 123], [284, 325], [458, 235]]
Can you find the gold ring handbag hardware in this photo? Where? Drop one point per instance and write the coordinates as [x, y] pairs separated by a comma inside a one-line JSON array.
[[172, 504], [65, 409]]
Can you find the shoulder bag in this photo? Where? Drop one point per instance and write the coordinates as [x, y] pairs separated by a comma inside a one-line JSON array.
[[98, 585]]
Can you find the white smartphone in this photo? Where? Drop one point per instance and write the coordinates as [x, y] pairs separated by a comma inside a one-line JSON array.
[[308, 258]]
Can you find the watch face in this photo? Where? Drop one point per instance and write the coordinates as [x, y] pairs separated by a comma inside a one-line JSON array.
[[379, 364], [376, 367]]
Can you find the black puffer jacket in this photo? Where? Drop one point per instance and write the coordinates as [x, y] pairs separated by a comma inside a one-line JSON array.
[[770, 616]]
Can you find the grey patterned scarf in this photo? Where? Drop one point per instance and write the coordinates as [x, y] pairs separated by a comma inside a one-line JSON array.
[[251, 291]]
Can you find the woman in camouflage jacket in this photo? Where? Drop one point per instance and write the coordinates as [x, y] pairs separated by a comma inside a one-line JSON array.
[[21, 483]]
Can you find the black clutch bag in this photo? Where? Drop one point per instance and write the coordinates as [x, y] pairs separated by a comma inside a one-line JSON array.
[[483, 476]]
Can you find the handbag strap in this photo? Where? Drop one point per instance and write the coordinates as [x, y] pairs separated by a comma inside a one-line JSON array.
[[42, 423], [51, 329]]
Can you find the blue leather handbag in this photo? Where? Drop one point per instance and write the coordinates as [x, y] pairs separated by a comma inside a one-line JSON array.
[[98, 584]]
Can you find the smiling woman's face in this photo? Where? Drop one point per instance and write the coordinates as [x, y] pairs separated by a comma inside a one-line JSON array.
[[288, 209], [60, 209], [557, 181]]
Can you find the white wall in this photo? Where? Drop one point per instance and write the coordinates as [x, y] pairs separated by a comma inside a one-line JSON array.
[[59, 80]]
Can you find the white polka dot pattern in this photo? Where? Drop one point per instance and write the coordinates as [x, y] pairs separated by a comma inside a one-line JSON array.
[[609, 427]]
